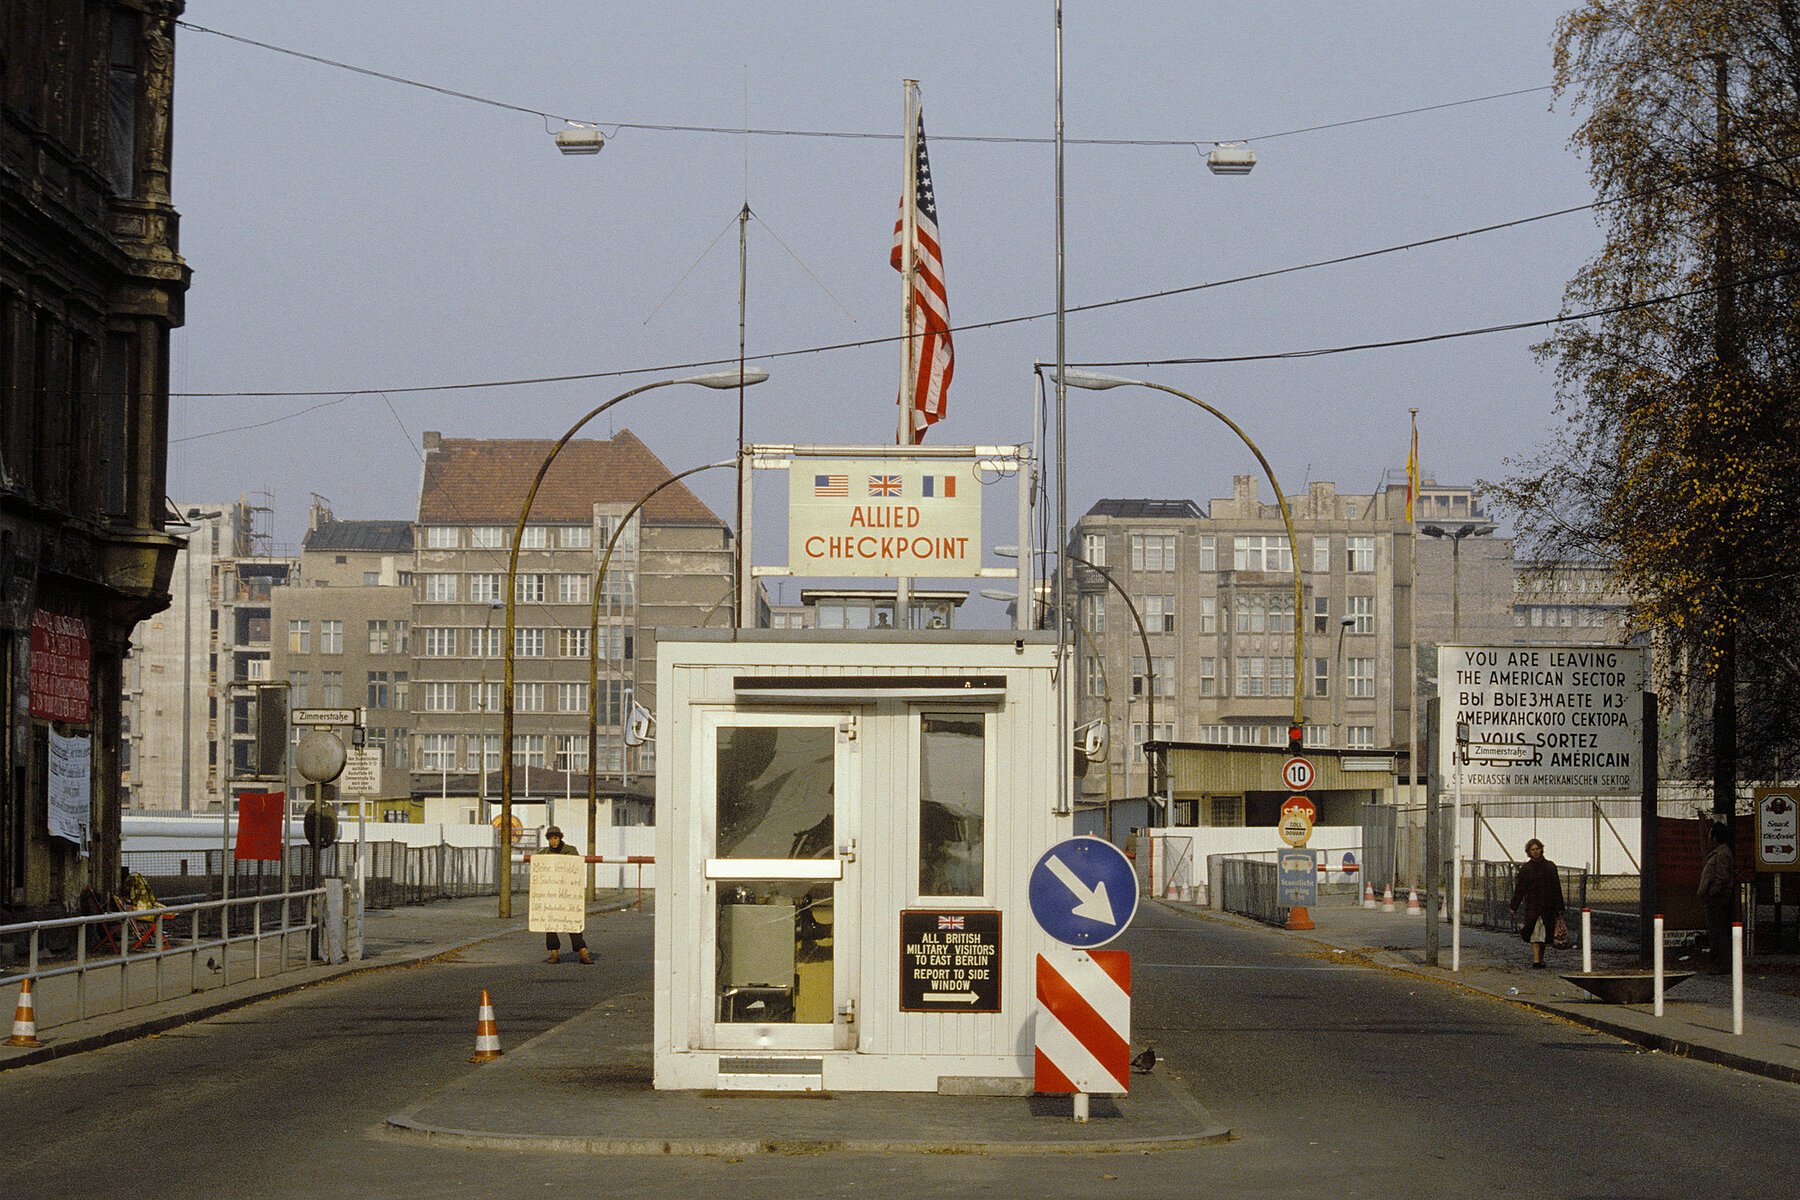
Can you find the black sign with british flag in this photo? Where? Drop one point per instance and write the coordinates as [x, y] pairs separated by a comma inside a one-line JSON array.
[[950, 961]]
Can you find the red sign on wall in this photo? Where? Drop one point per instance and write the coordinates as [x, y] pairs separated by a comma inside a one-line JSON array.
[[60, 667], [259, 826]]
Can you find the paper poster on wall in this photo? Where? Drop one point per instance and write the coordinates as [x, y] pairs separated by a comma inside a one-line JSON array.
[[558, 894], [71, 788]]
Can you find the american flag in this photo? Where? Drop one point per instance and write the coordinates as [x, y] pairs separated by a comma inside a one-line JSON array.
[[884, 485], [936, 359], [946, 921], [831, 485]]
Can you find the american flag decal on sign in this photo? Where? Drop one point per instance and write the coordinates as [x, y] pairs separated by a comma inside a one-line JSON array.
[[884, 485], [828, 486]]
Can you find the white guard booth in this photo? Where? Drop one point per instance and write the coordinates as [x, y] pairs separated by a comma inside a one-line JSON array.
[[846, 825]]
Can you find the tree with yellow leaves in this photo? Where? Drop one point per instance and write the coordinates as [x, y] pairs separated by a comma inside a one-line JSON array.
[[1678, 463]]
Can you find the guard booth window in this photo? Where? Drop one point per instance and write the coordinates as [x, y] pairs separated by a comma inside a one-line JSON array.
[[952, 803]]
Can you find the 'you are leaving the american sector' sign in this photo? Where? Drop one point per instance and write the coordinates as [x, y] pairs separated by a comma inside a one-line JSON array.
[[1542, 720], [884, 517]]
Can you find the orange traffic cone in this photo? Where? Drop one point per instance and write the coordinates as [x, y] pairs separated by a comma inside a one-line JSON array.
[[1412, 904], [1368, 895], [1387, 899], [24, 1020], [487, 1034]]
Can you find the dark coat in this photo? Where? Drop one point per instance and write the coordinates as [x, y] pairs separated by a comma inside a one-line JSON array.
[[1537, 893]]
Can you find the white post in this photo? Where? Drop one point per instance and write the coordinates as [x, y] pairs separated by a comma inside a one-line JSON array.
[[1587, 941], [1656, 958], [1456, 886], [1081, 1108], [1737, 978]]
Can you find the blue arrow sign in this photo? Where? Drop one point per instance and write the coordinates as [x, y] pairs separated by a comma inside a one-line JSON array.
[[1084, 892]]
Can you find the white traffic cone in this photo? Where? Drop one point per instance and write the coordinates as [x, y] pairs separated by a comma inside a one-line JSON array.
[[1368, 895], [24, 1031], [1387, 899], [1412, 904], [487, 1034]]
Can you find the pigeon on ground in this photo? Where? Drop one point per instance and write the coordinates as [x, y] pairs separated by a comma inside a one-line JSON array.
[[1144, 1063], [212, 966]]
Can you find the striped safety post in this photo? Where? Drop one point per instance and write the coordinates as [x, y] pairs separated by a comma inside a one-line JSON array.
[[1084, 1023]]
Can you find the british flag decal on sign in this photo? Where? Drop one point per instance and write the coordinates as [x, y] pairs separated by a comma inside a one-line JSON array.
[[884, 485]]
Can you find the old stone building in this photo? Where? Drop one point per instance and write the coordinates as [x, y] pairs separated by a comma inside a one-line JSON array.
[[91, 283]]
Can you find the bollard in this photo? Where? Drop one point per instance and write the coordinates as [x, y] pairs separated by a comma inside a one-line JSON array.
[[1587, 941], [1656, 959], [1737, 978]]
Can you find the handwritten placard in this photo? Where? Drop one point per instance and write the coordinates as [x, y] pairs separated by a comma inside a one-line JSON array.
[[558, 894]]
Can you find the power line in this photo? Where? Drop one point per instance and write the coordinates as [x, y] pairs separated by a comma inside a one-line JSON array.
[[740, 131]]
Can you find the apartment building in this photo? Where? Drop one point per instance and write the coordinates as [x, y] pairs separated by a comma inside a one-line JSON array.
[[671, 565], [1213, 591]]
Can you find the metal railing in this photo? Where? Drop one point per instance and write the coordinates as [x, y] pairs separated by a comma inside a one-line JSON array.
[[1248, 884], [397, 872], [136, 943]]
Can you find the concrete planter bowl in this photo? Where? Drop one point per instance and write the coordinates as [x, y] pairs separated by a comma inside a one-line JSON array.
[[1626, 987]]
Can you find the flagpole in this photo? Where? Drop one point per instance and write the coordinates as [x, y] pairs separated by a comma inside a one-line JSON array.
[[1412, 621], [910, 316]]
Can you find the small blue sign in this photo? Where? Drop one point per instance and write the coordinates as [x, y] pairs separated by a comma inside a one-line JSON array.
[[1297, 879], [1084, 892]]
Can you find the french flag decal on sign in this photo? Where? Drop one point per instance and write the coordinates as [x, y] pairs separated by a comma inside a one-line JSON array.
[[940, 485]]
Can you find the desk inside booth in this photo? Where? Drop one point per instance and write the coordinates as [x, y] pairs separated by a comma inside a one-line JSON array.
[[775, 953]]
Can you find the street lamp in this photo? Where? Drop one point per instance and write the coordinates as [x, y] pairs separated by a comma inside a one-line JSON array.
[[487, 624], [1101, 383], [1337, 723], [1456, 537], [718, 380], [1143, 637]]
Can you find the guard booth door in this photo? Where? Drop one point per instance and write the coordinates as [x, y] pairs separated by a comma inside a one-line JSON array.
[[780, 833]]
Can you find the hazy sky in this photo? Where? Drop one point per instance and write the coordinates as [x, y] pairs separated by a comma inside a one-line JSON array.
[[358, 238]]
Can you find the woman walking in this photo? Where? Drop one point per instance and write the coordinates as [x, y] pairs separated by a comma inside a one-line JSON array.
[[1538, 899]]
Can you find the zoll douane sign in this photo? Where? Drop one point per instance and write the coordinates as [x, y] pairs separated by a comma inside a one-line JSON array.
[[1542, 720], [884, 517]]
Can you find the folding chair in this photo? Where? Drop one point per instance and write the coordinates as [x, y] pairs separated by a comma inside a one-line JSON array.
[[107, 935], [143, 931]]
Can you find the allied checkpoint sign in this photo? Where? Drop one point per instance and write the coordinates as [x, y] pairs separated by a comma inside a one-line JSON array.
[[855, 517], [1542, 720]]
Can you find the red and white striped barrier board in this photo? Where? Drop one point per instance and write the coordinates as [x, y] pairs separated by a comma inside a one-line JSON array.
[[1084, 1021]]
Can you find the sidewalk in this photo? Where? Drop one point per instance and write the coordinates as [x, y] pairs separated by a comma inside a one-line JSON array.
[[1696, 1021], [391, 937]]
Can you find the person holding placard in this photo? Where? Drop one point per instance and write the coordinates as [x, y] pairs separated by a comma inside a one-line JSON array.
[[553, 838]]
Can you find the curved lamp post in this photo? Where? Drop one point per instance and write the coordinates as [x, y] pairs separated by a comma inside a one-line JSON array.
[[1100, 383], [593, 755], [718, 380]]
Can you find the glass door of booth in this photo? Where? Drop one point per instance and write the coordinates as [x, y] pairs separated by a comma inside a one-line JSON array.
[[779, 790]]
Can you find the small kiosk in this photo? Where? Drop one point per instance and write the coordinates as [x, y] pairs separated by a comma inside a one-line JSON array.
[[846, 827]]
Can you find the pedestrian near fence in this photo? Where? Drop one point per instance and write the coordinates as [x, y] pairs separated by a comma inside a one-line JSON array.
[[1538, 899], [1718, 880]]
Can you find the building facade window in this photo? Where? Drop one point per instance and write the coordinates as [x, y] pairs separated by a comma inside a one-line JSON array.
[[572, 697], [1093, 613], [1362, 610], [572, 643], [380, 638], [484, 587], [485, 642], [331, 689], [1164, 669], [440, 697], [1259, 552], [1321, 677], [1321, 554], [572, 589], [1208, 615], [437, 751], [1360, 555], [528, 750], [331, 637], [528, 589], [1209, 676], [535, 537], [441, 537], [299, 637], [1281, 613], [528, 643], [1152, 552], [1093, 548], [440, 589], [1094, 675], [487, 537], [1281, 676], [528, 697], [378, 689], [1359, 678], [1252, 614], [1158, 613], [571, 752], [576, 537], [1359, 737], [1321, 614], [437, 643], [297, 689], [1209, 552], [1252, 676]]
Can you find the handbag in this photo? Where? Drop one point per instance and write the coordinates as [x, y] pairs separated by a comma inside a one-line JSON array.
[[1562, 933]]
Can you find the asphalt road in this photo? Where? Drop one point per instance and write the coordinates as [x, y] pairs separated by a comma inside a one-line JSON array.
[[1338, 1079]]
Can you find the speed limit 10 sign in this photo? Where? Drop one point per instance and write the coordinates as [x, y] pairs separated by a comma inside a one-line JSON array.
[[1298, 774]]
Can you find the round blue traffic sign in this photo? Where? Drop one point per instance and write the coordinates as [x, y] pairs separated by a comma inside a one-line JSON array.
[[1083, 892]]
